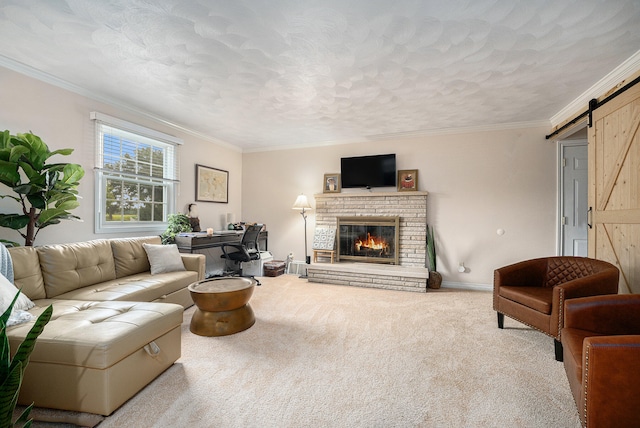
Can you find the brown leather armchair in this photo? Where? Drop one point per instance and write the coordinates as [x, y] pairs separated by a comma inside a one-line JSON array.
[[533, 291], [601, 340]]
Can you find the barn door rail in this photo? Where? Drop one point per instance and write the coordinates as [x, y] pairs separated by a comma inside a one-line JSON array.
[[593, 105]]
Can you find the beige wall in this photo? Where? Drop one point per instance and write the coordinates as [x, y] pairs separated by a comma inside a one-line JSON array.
[[61, 119], [477, 183]]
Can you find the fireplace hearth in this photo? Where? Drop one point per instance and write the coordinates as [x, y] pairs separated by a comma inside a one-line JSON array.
[[368, 239]]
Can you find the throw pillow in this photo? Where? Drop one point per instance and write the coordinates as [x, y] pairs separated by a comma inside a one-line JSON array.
[[163, 258], [19, 313]]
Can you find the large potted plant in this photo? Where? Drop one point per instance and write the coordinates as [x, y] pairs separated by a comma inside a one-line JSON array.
[[177, 223], [435, 279], [45, 192], [12, 370]]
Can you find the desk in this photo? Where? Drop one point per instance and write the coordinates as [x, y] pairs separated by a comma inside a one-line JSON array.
[[190, 242]]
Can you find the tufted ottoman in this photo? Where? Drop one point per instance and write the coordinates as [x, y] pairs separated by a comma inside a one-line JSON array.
[[93, 356]]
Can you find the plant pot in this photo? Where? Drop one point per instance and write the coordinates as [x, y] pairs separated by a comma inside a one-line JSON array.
[[435, 280]]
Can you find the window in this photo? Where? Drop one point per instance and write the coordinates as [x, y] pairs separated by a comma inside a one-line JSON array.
[[136, 176]]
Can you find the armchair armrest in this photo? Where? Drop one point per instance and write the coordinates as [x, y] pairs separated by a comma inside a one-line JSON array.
[[606, 314], [604, 282], [600, 283], [611, 380], [196, 263]]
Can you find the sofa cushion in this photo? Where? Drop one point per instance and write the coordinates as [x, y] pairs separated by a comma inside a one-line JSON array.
[[573, 347], [26, 272], [129, 256], [8, 291], [538, 298], [163, 258], [71, 266], [142, 287], [19, 312]]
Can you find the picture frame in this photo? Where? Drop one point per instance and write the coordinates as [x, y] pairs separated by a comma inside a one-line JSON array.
[[331, 183], [212, 184], [407, 180]]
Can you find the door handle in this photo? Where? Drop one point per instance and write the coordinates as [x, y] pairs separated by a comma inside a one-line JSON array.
[[589, 215]]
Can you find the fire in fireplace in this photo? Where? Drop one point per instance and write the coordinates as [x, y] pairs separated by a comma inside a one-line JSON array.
[[368, 239], [372, 244]]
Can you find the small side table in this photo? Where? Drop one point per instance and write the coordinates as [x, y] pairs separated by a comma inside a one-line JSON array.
[[222, 306], [323, 253]]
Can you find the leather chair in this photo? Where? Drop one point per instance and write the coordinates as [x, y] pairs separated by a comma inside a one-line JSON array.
[[601, 340], [248, 249], [534, 291]]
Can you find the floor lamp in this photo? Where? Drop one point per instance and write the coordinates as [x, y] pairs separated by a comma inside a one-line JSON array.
[[302, 204]]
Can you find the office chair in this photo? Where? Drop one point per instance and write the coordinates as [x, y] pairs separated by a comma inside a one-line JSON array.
[[247, 250]]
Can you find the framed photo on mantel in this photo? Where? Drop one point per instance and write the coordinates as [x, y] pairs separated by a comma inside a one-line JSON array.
[[407, 180], [331, 183], [212, 185]]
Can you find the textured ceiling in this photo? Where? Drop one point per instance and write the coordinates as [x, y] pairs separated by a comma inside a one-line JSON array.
[[262, 73]]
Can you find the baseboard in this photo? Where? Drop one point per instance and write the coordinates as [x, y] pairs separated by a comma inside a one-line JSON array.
[[467, 286]]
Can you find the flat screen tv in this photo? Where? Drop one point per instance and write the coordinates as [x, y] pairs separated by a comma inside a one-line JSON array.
[[368, 171]]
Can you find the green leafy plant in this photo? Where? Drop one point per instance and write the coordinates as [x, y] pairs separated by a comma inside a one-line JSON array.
[[12, 370], [178, 223], [46, 192], [435, 279]]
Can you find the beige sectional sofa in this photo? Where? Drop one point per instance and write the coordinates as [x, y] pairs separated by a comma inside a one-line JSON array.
[[115, 326]]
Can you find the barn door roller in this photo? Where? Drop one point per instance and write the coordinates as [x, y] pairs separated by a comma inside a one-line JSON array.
[[593, 105]]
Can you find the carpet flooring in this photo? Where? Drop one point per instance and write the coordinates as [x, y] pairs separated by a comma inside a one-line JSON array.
[[335, 356]]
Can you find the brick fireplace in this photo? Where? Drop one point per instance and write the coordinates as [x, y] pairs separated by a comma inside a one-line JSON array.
[[408, 271]]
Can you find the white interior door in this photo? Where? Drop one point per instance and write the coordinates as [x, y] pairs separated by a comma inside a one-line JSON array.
[[574, 200]]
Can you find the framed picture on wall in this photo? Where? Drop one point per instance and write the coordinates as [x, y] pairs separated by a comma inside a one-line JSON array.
[[331, 183], [212, 184], [407, 180]]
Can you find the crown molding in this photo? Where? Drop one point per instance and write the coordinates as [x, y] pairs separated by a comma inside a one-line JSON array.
[[63, 84], [459, 130], [410, 134], [621, 72], [301, 146]]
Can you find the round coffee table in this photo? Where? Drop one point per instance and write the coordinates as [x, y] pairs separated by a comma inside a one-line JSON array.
[[222, 306]]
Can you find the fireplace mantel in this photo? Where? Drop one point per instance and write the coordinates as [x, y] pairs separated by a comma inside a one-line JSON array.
[[369, 194]]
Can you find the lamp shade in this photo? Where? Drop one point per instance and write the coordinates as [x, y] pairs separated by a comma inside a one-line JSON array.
[[301, 203]]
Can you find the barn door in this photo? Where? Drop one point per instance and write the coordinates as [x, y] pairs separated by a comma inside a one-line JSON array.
[[614, 186]]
